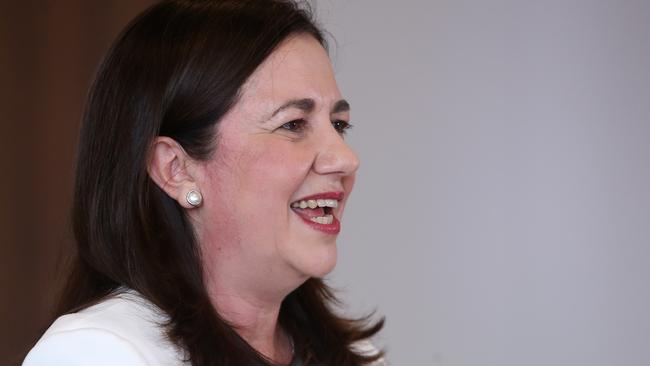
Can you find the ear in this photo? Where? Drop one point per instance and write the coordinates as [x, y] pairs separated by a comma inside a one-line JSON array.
[[170, 168]]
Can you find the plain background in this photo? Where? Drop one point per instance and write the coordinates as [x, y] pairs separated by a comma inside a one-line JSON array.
[[502, 210]]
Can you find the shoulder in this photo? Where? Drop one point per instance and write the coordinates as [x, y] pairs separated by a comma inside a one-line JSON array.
[[122, 330], [85, 346], [365, 347]]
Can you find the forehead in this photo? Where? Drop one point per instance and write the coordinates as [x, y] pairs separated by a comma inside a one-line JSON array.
[[298, 68]]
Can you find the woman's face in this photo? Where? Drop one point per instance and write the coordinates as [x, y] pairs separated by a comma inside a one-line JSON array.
[[281, 144]]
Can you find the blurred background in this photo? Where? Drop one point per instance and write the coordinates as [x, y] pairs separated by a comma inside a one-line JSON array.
[[49, 51], [502, 210]]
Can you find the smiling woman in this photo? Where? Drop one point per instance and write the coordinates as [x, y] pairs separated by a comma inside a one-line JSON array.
[[211, 181]]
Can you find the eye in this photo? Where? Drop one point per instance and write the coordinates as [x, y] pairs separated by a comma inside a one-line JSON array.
[[341, 126], [297, 125]]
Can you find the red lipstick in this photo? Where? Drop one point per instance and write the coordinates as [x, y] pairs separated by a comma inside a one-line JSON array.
[[306, 214], [324, 196], [333, 229]]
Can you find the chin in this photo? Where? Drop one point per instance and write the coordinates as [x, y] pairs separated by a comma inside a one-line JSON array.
[[320, 265]]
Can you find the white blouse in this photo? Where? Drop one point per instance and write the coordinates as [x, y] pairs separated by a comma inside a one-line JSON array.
[[122, 330]]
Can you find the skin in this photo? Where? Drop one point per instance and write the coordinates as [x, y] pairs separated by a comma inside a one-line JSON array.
[[255, 249]]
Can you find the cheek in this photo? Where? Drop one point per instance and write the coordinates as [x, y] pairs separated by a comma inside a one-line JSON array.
[[275, 170], [252, 185], [257, 181]]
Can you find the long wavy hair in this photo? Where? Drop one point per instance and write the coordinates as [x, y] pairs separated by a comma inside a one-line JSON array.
[[175, 71]]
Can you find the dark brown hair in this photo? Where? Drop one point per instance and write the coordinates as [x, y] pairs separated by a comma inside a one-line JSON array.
[[175, 71]]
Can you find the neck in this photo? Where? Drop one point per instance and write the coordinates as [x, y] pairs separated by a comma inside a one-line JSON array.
[[249, 297], [254, 316]]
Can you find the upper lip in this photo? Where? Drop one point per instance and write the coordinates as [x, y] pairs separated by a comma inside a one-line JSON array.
[[323, 196]]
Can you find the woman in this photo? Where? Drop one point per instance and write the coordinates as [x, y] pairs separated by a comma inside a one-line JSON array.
[[211, 179]]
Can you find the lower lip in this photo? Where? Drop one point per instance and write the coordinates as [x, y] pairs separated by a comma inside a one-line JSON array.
[[332, 229]]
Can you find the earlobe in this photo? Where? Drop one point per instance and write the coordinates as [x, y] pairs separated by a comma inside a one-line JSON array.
[[194, 198], [168, 166]]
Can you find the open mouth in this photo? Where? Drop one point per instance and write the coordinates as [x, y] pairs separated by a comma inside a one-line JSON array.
[[319, 211]]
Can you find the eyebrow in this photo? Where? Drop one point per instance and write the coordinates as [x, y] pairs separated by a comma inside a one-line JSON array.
[[308, 105], [341, 106]]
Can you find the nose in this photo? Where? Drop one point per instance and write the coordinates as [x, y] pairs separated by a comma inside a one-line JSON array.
[[336, 157]]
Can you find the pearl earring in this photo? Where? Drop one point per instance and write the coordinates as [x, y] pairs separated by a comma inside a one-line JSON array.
[[194, 198]]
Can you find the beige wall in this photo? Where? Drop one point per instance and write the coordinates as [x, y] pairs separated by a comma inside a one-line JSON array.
[[48, 53]]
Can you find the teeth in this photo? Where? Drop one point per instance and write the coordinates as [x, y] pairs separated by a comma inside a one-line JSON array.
[[325, 220], [316, 203]]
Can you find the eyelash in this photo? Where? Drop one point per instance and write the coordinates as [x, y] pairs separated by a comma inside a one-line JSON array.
[[298, 126], [343, 126]]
